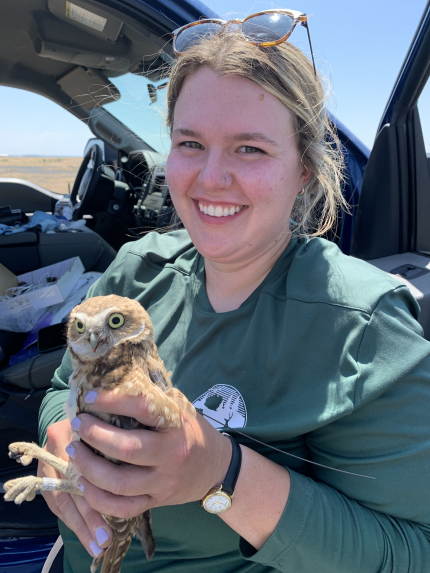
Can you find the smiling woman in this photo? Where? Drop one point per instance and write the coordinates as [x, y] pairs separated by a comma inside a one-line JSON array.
[[295, 88], [265, 327]]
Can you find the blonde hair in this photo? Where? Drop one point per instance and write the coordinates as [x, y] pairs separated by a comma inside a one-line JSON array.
[[286, 73]]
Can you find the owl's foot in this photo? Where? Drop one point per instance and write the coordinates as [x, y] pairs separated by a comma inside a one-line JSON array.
[[23, 452], [25, 488], [22, 489]]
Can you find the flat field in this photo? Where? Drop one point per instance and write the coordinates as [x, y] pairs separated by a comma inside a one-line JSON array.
[[53, 173]]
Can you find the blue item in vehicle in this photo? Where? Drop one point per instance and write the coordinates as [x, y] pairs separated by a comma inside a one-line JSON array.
[[40, 219], [24, 555], [21, 355]]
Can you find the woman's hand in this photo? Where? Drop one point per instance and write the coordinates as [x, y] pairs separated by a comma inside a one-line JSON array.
[[164, 467], [74, 511]]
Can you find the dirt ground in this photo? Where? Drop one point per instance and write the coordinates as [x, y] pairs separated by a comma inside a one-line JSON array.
[[53, 173]]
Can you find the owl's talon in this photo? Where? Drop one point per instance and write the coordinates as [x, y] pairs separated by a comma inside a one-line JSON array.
[[22, 452], [21, 489]]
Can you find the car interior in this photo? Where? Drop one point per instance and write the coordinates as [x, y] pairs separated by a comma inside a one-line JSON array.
[[50, 49], [119, 188]]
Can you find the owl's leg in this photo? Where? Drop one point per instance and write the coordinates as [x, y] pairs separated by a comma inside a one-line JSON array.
[[24, 452], [25, 488]]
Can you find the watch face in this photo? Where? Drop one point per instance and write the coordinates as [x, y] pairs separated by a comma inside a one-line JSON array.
[[217, 503]]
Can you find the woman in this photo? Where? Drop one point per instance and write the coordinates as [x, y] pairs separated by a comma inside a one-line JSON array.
[[274, 333]]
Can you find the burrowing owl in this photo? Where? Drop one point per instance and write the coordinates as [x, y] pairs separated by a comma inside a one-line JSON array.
[[111, 344]]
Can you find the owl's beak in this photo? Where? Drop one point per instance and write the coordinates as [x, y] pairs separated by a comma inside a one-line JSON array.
[[94, 341]]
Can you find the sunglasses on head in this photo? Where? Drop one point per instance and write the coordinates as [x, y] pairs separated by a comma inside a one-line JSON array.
[[263, 29]]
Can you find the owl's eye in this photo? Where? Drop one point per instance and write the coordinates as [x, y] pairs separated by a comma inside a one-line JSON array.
[[80, 326], [116, 320]]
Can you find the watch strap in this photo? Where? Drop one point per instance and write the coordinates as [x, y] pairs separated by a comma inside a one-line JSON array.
[[232, 474]]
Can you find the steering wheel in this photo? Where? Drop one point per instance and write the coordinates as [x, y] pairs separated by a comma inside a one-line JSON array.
[[87, 179]]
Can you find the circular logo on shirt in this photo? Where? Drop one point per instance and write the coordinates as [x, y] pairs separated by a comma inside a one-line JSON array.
[[223, 406]]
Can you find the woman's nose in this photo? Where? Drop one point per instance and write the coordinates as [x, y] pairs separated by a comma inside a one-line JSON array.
[[212, 175]]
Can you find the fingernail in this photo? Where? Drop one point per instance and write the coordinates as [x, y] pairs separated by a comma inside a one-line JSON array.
[[81, 487], [70, 450], [76, 424], [101, 535], [95, 549], [90, 398]]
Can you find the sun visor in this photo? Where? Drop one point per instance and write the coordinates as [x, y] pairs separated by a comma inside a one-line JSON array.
[[88, 88], [92, 19], [78, 56]]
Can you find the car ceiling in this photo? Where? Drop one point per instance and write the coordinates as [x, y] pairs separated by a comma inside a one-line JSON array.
[[29, 26]]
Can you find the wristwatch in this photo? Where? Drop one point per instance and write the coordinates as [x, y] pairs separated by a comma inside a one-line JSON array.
[[219, 498]]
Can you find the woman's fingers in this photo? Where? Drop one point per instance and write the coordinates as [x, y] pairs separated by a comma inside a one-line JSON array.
[[101, 532], [139, 447], [82, 520], [111, 504], [113, 403], [121, 480], [89, 526]]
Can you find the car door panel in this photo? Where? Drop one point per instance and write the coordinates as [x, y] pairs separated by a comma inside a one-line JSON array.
[[413, 270]]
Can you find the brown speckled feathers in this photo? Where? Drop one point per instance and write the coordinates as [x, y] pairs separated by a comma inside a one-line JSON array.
[[125, 359]]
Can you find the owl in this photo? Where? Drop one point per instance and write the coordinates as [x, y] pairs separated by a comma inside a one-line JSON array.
[[111, 345]]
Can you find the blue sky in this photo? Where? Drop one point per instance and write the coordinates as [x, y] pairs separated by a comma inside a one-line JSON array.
[[359, 45]]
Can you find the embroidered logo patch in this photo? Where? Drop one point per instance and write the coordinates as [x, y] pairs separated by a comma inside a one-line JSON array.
[[223, 406]]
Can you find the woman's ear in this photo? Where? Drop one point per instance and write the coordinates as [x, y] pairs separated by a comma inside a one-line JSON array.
[[306, 175]]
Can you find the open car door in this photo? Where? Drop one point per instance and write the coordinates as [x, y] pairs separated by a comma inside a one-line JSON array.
[[392, 222]]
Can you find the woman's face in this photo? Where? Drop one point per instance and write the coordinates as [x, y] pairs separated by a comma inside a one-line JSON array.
[[234, 169]]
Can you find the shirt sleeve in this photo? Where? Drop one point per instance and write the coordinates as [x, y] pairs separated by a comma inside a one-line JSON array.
[[336, 522], [51, 409]]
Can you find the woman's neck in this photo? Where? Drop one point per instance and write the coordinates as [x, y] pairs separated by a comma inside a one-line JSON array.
[[229, 285]]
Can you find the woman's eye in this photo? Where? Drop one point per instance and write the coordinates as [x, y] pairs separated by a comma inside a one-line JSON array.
[[249, 149], [192, 144]]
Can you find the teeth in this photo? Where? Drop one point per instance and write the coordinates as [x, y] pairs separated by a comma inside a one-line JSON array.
[[219, 211]]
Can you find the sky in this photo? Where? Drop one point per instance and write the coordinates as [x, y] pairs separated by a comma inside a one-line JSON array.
[[358, 45]]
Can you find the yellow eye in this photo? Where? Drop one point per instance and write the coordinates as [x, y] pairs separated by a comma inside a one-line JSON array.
[[80, 326], [116, 320]]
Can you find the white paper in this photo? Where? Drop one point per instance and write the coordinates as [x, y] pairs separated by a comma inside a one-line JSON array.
[[85, 17], [19, 304]]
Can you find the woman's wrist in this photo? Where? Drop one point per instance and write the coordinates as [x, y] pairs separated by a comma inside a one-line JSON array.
[[224, 458], [260, 497]]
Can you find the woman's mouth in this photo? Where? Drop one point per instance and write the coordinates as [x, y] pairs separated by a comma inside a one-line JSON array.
[[214, 210]]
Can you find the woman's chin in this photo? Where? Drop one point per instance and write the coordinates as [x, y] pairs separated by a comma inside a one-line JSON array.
[[216, 249]]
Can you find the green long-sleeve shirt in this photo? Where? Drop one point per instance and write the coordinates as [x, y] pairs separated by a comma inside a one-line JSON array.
[[324, 360]]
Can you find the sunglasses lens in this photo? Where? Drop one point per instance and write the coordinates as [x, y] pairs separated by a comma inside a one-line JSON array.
[[195, 34], [267, 27]]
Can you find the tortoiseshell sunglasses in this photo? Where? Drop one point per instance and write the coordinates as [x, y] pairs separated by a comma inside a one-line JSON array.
[[264, 29]]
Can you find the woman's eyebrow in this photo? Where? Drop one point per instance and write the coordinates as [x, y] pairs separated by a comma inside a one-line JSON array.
[[248, 136], [185, 131], [245, 136]]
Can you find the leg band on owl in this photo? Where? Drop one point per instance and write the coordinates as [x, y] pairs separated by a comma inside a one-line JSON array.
[[49, 484]]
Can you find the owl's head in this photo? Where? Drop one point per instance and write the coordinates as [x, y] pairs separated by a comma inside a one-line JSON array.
[[100, 323]]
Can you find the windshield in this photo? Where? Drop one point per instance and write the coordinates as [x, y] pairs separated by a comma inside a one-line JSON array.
[[141, 108]]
